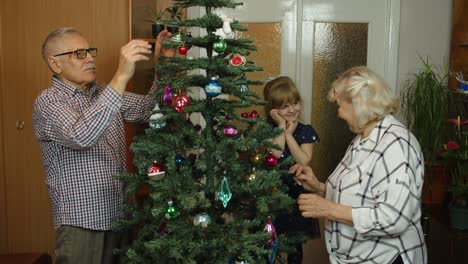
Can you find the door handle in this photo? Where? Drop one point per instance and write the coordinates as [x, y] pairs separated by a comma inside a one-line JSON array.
[[19, 124]]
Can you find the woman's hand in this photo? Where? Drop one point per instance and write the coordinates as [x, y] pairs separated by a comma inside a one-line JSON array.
[[305, 176], [314, 206], [280, 121]]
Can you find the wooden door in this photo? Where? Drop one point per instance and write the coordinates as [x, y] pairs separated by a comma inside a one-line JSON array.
[[25, 216]]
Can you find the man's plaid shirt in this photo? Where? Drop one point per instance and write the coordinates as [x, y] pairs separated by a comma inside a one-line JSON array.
[[81, 135]]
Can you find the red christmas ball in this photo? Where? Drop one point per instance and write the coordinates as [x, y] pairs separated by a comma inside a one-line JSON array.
[[254, 114], [180, 101], [245, 115], [271, 160], [183, 50], [155, 171], [237, 60], [230, 131]]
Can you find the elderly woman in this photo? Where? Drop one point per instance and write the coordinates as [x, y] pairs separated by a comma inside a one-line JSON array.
[[371, 201]]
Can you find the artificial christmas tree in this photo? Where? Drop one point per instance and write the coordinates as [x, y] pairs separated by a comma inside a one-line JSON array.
[[214, 188]]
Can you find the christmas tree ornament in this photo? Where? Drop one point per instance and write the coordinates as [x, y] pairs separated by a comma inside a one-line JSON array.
[[227, 27], [167, 97], [244, 88], [155, 171], [171, 211], [180, 101], [255, 158], [272, 241], [156, 121], [213, 88], [271, 160], [183, 50], [163, 228], [236, 261], [230, 131], [188, 40], [220, 46], [177, 37], [237, 60], [254, 114], [224, 193], [252, 175], [245, 115], [190, 57], [179, 159], [202, 219]]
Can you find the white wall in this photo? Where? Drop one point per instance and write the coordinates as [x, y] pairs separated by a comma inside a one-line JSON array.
[[425, 28]]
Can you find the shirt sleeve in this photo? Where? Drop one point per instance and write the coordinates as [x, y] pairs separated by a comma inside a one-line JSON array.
[[136, 108], [55, 120], [395, 179]]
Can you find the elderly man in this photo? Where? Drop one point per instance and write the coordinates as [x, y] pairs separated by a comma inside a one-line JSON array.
[[79, 126]]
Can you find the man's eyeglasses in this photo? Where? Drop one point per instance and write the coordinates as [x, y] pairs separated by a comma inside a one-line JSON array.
[[81, 53]]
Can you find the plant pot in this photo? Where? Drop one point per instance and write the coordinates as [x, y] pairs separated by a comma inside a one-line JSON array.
[[459, 217], [172, 29], [435, 189], [156, 29]]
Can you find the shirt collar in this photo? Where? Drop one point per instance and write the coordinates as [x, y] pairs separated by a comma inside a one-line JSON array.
[[379, 129], [71, 90]]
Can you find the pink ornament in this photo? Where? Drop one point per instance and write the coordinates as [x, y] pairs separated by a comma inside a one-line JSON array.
[[230, 131], [271, 160], [254, 114], [180, 101], [155, 171], [270, 228], [167, 95]]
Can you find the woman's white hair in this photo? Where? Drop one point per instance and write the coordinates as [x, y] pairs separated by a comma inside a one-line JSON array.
[[370, 95]]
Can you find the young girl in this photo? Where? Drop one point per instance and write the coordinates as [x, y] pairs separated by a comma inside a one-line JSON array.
[[284, 105]]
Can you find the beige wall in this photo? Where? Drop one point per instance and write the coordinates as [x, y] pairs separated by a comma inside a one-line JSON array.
[[425, 28]]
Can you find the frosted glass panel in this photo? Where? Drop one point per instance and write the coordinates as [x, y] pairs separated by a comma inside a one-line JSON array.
[[337, 47]]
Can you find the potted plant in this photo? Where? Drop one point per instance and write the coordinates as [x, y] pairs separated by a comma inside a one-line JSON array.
[[156, 25], [425, 101], [175, 14], [456, 152]]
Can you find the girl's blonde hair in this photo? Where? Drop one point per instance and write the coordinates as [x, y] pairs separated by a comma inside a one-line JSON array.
[[370, 95], [278, 92]]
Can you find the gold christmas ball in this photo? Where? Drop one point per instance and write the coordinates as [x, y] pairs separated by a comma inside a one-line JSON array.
[[255, 158]]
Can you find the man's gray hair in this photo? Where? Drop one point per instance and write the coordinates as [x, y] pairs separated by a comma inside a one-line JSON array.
[[58, 33]]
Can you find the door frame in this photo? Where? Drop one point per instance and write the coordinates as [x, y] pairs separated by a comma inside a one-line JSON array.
[[304, 77]]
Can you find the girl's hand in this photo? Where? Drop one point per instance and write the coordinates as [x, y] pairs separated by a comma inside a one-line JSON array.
[[291, 127], [280, 121]]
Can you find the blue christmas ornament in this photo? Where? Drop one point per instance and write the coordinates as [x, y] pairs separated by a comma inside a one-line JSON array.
[[213, 88], [179, 159]]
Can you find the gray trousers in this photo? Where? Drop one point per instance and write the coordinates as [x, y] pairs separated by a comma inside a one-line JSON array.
[[79, 245]]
